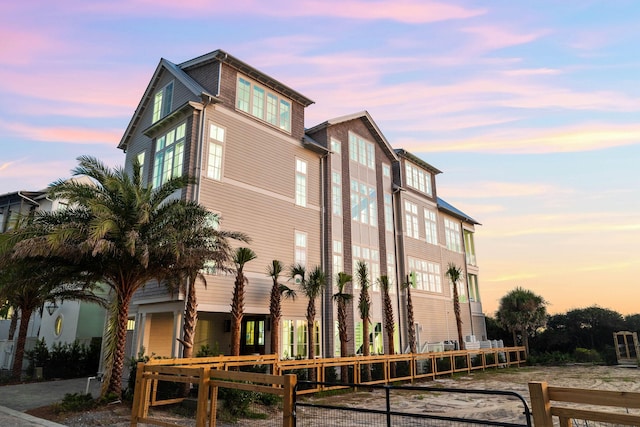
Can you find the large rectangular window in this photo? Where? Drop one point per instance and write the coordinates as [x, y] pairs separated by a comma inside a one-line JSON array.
[[300, 255], [452, 235], [474, 292], [216, 141], [431, 226], [371, 257], [294, 339], [418, 178], [361, 151], [169, 156], [469, 247], [388, 212], [301, 182], [336, 193], [263, 104], [338, 265], [411, 219], [428, 277], [364, 206], [162, 102]]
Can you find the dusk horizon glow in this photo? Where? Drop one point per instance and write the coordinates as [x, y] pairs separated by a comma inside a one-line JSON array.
[[530, 110]]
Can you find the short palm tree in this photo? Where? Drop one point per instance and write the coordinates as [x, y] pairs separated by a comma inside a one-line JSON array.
[[278, 290], [311, 286], [522, 311], [389, 324], [240, 258], [364, 305], [454, 273]]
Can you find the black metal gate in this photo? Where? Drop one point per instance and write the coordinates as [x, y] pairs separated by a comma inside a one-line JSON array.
[[386, 405]]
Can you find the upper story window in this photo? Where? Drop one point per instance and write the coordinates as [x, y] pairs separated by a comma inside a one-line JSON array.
[[386, 170], [431, 226], [418, 178], [216, 143], [391, 271], [388, 212], [300, 255], [140, 157], [337, 264], [452, 235], [411, 219], [469, 247], [364, 203], [336, 147], [162, 102], [301, 182], [169, 155], [474, 292], [336, 193], [260, 102], [427, 275], [361, 151]]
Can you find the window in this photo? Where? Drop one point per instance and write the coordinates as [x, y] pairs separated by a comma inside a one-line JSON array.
[[418, 178], [169, 156], [361, 151], [216, 141], [371, 258], [57, 326], [300, 255], [258, 101], [336, 147], [386, 170], [363, 203], [388, 212], [474, 291], [336, 193], [469, 247], [462, 293], [162, 102], [411, 219], [391, 271], [431, 227], [294, 339], [301, 182], [338, 265], [428, 277], [452, 235], [213, 221]]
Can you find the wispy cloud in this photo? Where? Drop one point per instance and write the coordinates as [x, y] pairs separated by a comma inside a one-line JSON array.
[[496, 189], [70, 135]]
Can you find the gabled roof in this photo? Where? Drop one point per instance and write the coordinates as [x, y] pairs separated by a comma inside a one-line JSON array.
[[369, 123], [417, 160], [456, 212], [179, 75], [248, 70]]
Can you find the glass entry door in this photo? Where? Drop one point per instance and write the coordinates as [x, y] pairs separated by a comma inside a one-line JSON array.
[[253, 335]]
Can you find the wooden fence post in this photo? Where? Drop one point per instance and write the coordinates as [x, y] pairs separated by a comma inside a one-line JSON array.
[[540, 404], [290, 381], [136, 409], [203, 396]]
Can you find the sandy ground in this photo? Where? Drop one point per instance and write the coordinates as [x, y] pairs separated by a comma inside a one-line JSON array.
[[429, 402]]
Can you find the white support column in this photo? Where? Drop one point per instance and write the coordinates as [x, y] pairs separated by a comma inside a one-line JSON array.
[[176, 347]]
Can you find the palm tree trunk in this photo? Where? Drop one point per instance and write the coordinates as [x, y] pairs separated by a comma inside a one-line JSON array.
[[274, 308], [411, 322], [311, 314], [237, 313], [113, 376], [190, 319], [25, 316], [13, 325], [456, 311], [342, 332]]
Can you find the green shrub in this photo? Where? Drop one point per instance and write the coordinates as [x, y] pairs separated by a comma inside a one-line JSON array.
[[443, 364], [75, 402], [584, 355], [65, 360]]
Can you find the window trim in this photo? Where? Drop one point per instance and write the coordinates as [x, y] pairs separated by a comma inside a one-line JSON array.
[[301, 182], [214, 141], [278, 114]]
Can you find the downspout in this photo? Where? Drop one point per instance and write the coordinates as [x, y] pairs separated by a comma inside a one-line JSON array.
[[324, 257], [28, 199], [399, 247]]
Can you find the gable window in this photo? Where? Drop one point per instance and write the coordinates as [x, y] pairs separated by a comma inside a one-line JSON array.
[[169, 156], [452, 235], [418, 178], [162, 102], [336, 193], [411, 219], [263, 104], [216, 141], [431, 227], [361, 151], [301, 182], [300, 256]]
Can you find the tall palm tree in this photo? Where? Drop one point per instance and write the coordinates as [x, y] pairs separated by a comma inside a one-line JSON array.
[[411, 323], [196, 242], [454, 273], [240, 258], [522, 311], [342, 298], [364, 305], [29, 284], [116, 231], [311, 286], [389, 325], [278, 290]]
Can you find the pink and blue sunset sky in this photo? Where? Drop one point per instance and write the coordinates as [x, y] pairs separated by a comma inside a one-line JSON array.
[[531, 109]]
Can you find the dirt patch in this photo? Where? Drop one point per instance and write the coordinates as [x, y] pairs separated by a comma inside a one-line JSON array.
[[461, 405]]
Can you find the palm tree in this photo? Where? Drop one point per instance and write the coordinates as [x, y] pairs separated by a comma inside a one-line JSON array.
[[522, 311], [116, 232], [196, 242], [389, 325], [28, 284], [311, 287], [240, 258], [454, 273], [411, 324], [278, 290], [364, 305], [342, 298]]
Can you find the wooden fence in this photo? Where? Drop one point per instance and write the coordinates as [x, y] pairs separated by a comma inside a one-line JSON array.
[[209, 373], [548, 402]]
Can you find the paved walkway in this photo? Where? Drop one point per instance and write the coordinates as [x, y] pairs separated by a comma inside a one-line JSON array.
[[14, 399]]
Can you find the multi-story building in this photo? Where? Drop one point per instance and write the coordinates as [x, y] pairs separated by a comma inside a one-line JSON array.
[[327, 196]]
